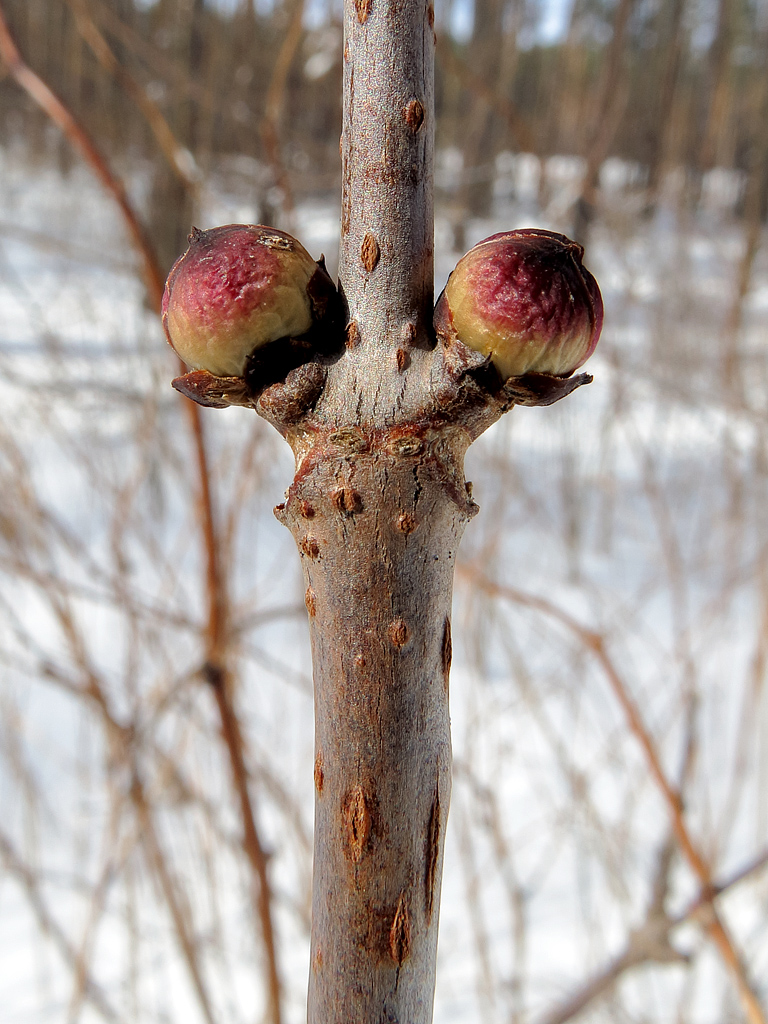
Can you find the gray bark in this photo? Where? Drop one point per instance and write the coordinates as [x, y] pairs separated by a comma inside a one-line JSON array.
[[377, 509], [378, 551]]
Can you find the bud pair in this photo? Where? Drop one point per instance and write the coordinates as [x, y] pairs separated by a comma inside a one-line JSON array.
[[246, 299]]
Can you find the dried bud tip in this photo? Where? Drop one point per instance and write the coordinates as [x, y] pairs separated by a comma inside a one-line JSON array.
[[525, 299]]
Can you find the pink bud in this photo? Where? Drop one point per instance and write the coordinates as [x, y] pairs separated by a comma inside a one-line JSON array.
[[236, 289], [524, 299]]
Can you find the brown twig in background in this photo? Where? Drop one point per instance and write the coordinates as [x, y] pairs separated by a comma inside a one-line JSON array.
[[230, 729], [668, 86], [704, 898], [49, 926], [718, 84], [120, 739], [160, 61], [216, 628], [98, 903], [478, 923], [179, 157], [486, 802], [177, 905], [595, 643], [273, 106], [47, 100], [649, 942]]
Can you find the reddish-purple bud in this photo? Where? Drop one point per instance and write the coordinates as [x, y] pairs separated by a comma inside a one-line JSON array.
[[525, 299], [236, 289]]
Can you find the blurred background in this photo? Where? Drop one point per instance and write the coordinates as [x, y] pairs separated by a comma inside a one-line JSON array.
[[610, 715]]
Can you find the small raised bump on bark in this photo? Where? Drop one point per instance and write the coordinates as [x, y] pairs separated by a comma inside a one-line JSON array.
[[346, 202], [403, 360], [317, 962], [346, 501], [431, 16], [279, 511], [350, 439], [400, 932], [409, 332], [406, 523], [305, 509], [363, 8], [357, 823], [471, 509], [346, 51], [408, 444], [319, 773], [311, 602], [287, 401], [398, 632], [370, 252], [468, 488], [447, 652], [432, 855], [360, 661], [352, 335], [310, 547], [414, 115]]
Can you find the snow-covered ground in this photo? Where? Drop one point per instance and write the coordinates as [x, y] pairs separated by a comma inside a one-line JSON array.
[[635, 507]]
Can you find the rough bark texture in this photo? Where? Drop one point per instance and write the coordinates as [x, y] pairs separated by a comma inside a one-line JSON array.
[[387, 226], [377, 509], [378, 532]]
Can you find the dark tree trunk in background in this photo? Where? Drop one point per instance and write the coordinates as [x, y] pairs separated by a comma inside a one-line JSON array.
[[670, 66], [481, 122], [734, 374], [172, 203], [719, 83]]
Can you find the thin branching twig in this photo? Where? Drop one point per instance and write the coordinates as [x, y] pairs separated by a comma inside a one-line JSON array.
[[596, 644]]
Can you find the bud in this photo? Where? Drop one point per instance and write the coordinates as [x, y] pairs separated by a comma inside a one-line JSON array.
[[236, 289], [524, 299]]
